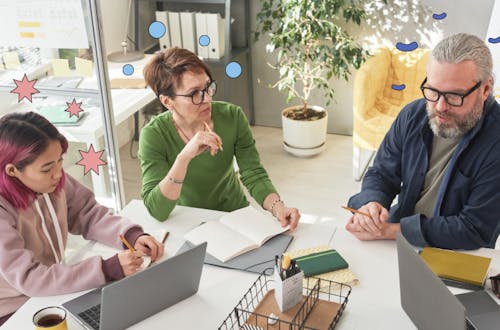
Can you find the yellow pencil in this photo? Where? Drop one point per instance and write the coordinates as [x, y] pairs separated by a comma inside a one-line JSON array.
[[356, 211], [219, 145], [127, 244]]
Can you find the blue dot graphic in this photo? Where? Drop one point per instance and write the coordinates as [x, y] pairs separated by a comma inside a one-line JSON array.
[[233, 69], [157, 29], [128, 69], [204, 40]]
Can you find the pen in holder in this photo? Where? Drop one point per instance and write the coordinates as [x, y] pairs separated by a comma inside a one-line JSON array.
[[288, 283]]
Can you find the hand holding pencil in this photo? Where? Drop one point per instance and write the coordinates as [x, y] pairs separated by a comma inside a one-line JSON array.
[[130, 260], [370, 218]]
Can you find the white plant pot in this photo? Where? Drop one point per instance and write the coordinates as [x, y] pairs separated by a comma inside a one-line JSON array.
[[304, 138]]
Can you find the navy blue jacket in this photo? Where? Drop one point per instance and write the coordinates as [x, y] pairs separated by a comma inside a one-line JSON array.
[[467, 212]]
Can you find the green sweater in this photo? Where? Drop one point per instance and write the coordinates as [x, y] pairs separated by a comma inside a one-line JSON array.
[[210, 181]]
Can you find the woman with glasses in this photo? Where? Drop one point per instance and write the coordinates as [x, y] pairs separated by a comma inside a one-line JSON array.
[[441, 157], [187, 152]]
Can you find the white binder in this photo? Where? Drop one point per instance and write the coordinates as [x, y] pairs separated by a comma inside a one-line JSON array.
[[215, 30], [188, 30], [175, 29], [161, 16], [201, 30]]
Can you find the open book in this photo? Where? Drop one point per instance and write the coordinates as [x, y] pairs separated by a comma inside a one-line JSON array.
[[235, 233]]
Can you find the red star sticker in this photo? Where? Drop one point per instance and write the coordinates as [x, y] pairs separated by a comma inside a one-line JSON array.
[[25, 88], [74, 108], [91, 160]]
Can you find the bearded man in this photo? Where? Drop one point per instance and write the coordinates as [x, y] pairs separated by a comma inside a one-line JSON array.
[[441, 157]]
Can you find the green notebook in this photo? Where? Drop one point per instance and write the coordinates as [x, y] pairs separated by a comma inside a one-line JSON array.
[[58, 115], [321, 262]]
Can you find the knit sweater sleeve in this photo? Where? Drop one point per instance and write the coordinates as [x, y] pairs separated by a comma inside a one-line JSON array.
[[93, 221], [253, 174], [153, 152]]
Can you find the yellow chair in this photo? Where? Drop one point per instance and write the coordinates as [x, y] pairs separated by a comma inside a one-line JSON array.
[[379, 95]]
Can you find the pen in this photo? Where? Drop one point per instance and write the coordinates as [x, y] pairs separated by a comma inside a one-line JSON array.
[[165, 237], [219, 145], [127, 244], [356, 211]]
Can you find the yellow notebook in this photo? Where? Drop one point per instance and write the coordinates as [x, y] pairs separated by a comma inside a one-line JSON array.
[[457, 266]]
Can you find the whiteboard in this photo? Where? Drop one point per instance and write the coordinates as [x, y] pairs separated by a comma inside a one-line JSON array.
[[43, 23]]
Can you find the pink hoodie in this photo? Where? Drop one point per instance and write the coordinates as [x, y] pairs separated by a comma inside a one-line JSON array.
[[27, 263]]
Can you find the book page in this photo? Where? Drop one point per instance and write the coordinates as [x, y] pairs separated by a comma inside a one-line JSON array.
[[223, 242], [255, 225]]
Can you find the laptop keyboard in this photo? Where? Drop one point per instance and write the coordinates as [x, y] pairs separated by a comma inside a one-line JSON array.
[[92, 316]]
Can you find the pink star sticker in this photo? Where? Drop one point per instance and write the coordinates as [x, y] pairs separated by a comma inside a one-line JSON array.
[[25, 88], [74, 108], [91, 160]]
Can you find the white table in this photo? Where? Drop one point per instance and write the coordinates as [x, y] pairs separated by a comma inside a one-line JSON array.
[[373, 303]]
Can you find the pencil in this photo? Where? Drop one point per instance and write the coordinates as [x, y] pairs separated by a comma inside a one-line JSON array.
[[219, 145], [356, 211], [127, 244], [165, 238]]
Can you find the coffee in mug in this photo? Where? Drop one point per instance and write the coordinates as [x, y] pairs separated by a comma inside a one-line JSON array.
[[53, 318]]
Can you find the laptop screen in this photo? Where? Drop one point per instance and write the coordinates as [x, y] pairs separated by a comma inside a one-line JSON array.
[[424, 297], [143, 294]]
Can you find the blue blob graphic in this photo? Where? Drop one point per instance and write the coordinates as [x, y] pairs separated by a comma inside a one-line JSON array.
[[128, 69], [398, 87], [494, 40], [204, 40], [439, 16], [157, 29], [406, 47], [233, 70]]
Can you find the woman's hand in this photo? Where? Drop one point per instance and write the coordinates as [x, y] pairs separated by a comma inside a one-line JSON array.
[[148, 245], [201, 142], [131, 262], [287, 215]]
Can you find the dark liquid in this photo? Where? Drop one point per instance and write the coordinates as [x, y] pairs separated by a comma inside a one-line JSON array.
[[49, 321]]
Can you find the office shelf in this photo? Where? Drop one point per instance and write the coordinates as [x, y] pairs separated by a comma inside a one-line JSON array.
[[236, 52]]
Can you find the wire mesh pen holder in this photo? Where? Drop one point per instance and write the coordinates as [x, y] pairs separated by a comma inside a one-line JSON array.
[[314, 289], [288, 290]]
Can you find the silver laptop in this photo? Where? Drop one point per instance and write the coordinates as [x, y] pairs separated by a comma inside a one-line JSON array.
[[431, 305], [134, 298]]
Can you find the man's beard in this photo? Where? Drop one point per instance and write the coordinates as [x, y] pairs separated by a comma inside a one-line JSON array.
[[460, 125]]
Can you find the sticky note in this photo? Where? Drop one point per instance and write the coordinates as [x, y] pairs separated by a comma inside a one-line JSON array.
[[60, 67], [84, 68], [11, 60]]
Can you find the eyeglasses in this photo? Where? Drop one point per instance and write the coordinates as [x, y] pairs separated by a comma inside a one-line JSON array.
[[453, 99], [197, 96], [495, 285]]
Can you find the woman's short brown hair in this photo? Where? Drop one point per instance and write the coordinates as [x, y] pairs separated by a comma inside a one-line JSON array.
[[164, 71]]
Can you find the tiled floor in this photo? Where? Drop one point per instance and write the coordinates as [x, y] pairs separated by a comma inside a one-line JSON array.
[[317, 186]]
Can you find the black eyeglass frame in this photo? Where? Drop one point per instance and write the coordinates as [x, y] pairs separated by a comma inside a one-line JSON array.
[[212, 84], [444, 94]]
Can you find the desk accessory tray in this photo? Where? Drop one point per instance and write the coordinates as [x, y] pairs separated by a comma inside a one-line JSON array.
[[321, 307]]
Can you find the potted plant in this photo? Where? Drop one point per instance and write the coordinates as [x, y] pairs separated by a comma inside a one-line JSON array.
[[312, 47]]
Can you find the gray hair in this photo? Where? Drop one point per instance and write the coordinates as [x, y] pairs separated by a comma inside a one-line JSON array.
[[465, 47]]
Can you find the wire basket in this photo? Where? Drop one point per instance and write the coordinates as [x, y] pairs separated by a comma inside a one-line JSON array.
[[332, 296]]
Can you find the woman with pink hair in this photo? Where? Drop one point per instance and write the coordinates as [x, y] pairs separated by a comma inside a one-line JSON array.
[[39, 206]]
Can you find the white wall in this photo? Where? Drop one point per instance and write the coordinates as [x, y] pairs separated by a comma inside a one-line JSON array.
[[462, 16]]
